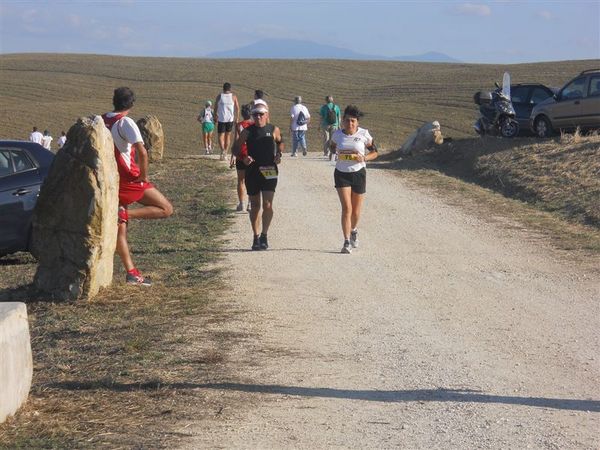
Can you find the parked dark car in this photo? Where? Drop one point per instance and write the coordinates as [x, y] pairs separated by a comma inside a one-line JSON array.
[[577, 104], [23, 168], [525, 97]]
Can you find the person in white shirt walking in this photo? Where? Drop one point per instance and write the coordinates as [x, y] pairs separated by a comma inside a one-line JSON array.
[[227, 112], [206, 118], [47, 140], [36, 136], [299, 120]]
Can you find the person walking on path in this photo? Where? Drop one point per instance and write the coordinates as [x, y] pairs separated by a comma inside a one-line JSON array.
[[351, 144], [299, 120], [330, 121], [227, 112], [61, 141], [206, 118], [237, 161], [133, 179], [36, 136], [47, 140], [263, 154]]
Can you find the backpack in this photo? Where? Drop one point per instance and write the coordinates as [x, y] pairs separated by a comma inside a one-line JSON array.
[[331, 116], [301, 119]]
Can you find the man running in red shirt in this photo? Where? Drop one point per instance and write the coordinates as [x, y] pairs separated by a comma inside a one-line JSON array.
[[133, 179]]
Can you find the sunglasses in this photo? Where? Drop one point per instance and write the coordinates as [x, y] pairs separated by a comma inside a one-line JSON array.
[[258, 114]]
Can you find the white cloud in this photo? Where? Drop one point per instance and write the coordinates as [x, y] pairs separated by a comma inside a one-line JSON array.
[[544, 14], [473, 9]]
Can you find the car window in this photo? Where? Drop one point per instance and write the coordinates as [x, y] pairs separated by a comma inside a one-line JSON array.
[[519, 94], [21, 161], [573, 90], [594, 86], [539, 95], [5, 165]]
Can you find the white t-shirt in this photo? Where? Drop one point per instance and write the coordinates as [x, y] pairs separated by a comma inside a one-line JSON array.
[[125, 132], [61, 141], [46, 142], [347, 146], [36, 137], [295, 112], [226, 107]]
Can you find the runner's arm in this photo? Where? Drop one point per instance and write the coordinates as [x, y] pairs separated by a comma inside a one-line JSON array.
[[279, 143], [236, 109], [372, 148], [236, 150], [216, 116]]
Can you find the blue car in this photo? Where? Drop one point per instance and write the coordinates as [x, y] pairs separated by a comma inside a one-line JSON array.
[[23, 168]]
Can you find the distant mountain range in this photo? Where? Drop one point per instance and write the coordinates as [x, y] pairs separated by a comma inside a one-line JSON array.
[[296, 49]]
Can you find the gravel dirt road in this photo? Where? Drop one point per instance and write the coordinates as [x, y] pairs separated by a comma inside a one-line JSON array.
[[441, 331]]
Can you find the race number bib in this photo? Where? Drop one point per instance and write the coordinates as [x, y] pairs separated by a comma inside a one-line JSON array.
[[348, 156], [269, 172]]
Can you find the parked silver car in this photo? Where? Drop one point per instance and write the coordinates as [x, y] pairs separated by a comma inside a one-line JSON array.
[[577, 104]]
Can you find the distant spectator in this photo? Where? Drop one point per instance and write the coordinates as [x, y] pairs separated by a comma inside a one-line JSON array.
[[330, 121], [47, 140], [61, 140], [299, 120], [36, 136]]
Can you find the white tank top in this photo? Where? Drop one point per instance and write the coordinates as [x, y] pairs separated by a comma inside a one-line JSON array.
[[226, 107]]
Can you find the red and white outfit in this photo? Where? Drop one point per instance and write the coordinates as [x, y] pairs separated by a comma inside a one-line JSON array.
[[241, 127], [125, 132]]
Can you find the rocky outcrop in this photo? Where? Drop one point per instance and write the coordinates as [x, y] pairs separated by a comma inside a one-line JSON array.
[[423, 138], [75, 218], [154, 138]]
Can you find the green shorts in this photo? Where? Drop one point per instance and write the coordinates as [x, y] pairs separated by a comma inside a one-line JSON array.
[[208, 127]]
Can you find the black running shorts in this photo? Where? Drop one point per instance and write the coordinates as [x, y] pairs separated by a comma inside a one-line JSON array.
[[355, 180], [224, 127], [256, 182]]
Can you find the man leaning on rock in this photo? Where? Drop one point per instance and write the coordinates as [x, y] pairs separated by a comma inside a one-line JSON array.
[[134, 186]]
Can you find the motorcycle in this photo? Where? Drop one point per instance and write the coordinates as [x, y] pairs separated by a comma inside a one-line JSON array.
[[496, 111]]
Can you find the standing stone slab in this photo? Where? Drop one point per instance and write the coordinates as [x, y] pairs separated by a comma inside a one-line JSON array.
[[16, 364], [154, 138], [75, 219]]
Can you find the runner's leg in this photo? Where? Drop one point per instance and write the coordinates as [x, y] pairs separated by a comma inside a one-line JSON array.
[[267, 215], [345, 195], [254, 213], [156, 206], [241, 187], [357, 201], [222, 144]]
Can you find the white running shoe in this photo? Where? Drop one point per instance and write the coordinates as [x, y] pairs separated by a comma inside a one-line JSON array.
[[347, 248], [354, 238]]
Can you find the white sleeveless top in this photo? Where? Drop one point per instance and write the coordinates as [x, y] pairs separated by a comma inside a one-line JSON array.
[[226, 107]]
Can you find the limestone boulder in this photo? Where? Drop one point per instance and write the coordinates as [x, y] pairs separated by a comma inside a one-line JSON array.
[[424, 137], [75, 218], [154, 138]]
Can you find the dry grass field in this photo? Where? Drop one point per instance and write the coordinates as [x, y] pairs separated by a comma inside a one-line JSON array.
[[111, 373]]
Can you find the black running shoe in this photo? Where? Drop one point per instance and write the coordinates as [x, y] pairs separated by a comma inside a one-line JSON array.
[[256, 243], [263, 241]]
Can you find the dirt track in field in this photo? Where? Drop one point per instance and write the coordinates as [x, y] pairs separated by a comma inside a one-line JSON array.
[[440, 331]]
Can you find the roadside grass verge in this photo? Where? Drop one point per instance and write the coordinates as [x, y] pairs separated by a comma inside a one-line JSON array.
[[120, 371], [550, 186]]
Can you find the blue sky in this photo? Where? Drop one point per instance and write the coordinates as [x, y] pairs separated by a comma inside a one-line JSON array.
[[508, 31]]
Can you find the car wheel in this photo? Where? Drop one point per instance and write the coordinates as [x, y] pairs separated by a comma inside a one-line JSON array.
[[542, 127]]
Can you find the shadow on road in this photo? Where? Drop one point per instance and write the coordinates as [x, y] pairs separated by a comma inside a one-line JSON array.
[[416, 395]]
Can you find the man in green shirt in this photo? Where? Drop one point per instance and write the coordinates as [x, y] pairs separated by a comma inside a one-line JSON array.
[[330, 121]]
